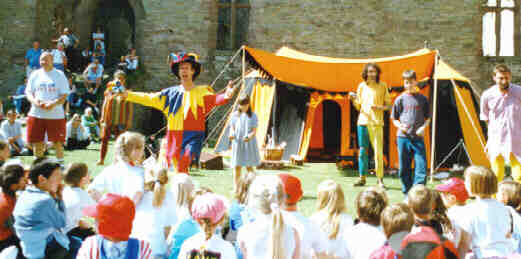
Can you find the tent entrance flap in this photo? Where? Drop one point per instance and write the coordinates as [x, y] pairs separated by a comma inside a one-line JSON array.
[[291, 109]]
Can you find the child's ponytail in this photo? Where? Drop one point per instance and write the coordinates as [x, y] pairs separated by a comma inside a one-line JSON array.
[[161, 180], [277, 231]]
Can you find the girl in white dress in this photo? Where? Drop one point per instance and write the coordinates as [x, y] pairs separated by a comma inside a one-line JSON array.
[[273, 238], [332, 218]]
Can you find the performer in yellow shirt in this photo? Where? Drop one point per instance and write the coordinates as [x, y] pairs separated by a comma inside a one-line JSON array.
[[372, 99]]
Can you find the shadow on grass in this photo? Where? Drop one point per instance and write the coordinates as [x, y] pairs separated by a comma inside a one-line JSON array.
[[306, 197]]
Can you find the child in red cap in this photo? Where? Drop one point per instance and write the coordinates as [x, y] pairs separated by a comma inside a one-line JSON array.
[[114, 215], [208, 210], [312, 239]]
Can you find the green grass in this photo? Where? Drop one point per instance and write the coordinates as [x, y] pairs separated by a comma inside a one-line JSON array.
[[220, 181]]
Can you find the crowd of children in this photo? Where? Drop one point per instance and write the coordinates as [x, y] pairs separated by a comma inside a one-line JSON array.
[[45, 212]]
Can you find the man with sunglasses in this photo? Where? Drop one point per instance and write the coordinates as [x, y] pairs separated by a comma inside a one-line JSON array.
[[185, 106]]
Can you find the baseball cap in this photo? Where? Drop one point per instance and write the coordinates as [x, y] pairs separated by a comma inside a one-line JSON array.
[[114, 214], [209, 206], [292, 188], [425, 243], [456, 187]]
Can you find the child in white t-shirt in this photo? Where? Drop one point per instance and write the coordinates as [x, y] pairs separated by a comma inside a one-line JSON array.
[[509, 193], [208, 210], [367, 236], [268, 236], [332, 218], [75, 199], [487, 220], [126, 176], [156, 213], [313, 242]]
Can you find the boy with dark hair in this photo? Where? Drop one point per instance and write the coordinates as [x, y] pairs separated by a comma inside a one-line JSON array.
[[410, 115], [12, 179], [40, 213]]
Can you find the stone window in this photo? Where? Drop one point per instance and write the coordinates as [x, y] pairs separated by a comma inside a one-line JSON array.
[[233, 20], [501, 28]]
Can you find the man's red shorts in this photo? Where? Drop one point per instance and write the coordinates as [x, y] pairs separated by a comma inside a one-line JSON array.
[[36, 129]]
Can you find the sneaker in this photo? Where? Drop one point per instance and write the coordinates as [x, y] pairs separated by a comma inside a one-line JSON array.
[[381, 184], [360, 182]]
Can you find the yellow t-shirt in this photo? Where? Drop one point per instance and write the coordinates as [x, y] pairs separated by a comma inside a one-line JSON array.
[[367, 95]]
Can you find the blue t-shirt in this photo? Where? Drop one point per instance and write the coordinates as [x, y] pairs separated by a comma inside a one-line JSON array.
[[33, 56]]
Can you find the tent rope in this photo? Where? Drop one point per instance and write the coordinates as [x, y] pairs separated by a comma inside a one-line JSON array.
[[223, 119]]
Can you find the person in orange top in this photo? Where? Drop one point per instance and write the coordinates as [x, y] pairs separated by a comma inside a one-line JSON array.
[[371, 99], [12, 179], [185, 107], [116, 114]]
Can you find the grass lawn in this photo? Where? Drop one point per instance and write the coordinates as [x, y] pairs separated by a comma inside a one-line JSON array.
[[310, 174]]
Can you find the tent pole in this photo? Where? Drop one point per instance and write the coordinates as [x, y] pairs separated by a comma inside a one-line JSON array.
[[243, 66], [434, 117]]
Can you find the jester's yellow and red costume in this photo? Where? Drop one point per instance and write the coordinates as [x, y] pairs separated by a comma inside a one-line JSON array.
[[185, 112]]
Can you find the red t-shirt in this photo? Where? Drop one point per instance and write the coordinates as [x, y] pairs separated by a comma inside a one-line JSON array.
[[6, 211]]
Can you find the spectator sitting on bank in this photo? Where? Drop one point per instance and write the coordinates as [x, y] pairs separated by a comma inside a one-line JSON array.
[[19, 100], [99, 54], [76, 135], [132, 60], [11, 129], [123, 65], [86, 57], [91, 99], [93, 74], [70, 42], [59, 57], [91, 125], [75, 101], [32, 58], [99, 38]]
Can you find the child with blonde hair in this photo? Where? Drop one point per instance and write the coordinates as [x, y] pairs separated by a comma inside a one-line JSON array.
[[332, 218], [156, 212], [126, 176], [509, 193], [487, 220], [209, 211], [273, 237]]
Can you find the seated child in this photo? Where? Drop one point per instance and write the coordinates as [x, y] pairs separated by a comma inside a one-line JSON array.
[[421, 200], [114, 215], [487, 220], [365, 237], [91, 125], [209, 211], [397, 221], [76, 199], [509, 193], [39, 214], [332, 218], [156, 213]]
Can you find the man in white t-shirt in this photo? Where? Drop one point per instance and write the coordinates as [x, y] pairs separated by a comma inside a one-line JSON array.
[[312, 240], [47, 90]]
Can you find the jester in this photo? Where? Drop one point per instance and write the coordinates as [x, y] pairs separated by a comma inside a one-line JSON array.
[[185, 107]]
